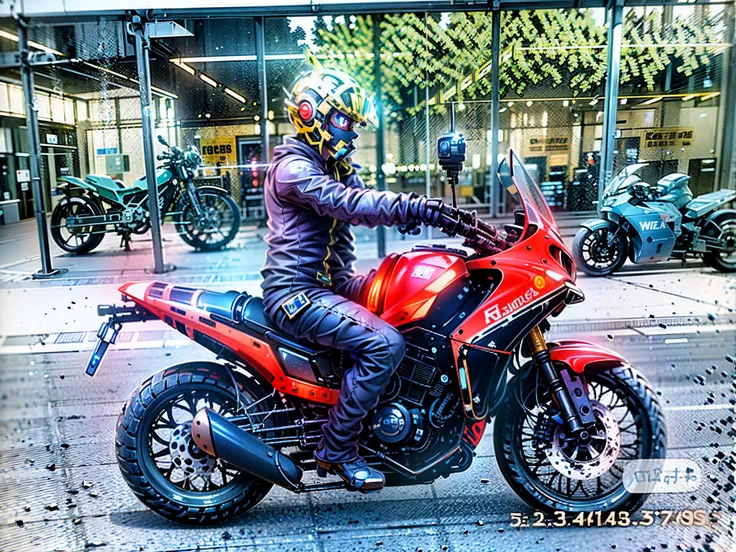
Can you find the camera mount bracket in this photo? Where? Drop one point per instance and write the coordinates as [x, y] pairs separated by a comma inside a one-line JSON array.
[[451, 153]]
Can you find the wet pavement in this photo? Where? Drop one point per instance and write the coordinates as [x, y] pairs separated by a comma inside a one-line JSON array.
[[60, 487]]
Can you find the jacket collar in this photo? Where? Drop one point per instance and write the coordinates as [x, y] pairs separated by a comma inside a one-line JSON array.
[[293, 145]]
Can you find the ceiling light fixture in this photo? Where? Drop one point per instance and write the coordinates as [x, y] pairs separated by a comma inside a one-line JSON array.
[[235, 95], [181, 65], [212, 82], [650, 101]]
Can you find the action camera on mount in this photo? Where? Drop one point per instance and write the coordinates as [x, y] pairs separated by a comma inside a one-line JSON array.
[[451, 154], [451, 151]]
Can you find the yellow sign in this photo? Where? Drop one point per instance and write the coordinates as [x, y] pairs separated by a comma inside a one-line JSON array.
[[218, 150], [670, 137], [550, 142]]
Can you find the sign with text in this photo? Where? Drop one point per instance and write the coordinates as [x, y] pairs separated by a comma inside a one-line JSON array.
[[218, 149], [550, 142], [669, 137]]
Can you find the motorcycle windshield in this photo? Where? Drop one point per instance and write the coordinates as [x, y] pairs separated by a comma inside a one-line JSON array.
[[526, 192], [623, 179]]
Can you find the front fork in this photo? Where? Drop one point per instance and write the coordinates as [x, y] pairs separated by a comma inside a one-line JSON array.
[[567, 389], [192, 195]]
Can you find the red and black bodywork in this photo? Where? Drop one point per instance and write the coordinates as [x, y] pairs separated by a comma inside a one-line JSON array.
[[464, 318]]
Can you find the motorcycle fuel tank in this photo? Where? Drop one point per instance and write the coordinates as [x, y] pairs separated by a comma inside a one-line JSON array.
[[406, 286]]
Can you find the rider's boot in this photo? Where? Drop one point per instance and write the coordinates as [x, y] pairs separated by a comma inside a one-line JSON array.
[[356, 473]]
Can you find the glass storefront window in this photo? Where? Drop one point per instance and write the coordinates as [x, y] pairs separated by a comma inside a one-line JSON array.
[[207, 92], [670, 93]]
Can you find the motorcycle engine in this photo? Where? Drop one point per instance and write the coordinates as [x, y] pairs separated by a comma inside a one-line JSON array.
[[395, 423], [136, 219]]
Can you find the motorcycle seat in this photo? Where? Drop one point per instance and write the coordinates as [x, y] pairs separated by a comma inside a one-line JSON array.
[[103, 181], [246, 311]]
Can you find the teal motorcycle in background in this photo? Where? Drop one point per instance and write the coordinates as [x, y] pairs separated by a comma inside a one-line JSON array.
[[206, 217], [648, 223]]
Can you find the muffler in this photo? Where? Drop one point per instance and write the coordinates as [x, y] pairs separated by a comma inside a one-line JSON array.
[[219, 437]]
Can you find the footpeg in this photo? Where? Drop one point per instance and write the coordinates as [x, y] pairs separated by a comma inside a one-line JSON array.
[[357, 475]]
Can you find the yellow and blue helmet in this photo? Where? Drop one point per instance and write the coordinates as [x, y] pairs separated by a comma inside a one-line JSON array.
[[325, 106]]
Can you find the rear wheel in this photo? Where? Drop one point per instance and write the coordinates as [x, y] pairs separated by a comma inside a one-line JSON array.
[[215, 227], [78, 239], [724, 260], [160, 461], [599, 252], [554, 471]]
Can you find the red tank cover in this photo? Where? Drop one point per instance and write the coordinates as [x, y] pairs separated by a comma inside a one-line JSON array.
[[415, 280]]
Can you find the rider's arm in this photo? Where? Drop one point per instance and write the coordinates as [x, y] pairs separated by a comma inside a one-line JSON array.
[[302, 183]]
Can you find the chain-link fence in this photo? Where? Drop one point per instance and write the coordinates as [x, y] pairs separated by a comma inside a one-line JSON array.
[[207, 92]]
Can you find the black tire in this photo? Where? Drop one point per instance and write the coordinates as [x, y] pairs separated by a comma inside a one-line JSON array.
[[134, 444], [634, 391], [224, 211], [604, 261], [726, 222], [87, 238]]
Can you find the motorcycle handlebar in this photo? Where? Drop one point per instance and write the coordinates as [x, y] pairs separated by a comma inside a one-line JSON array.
[[479, 235]]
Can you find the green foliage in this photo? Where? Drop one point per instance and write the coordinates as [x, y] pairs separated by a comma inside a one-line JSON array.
[[542, 47]]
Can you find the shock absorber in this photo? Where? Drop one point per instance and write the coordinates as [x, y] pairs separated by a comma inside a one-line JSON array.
[[574, 411]]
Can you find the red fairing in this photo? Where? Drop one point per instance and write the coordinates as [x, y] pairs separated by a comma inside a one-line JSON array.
[[531, 271], [256, 352], [582, 355]]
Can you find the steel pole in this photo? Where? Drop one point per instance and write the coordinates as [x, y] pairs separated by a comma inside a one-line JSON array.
[[34, 147], [380, 146], [427, 157], [495, 106], [615, 30], [727, 170], [263, 83], [427, 173], [142, 48]]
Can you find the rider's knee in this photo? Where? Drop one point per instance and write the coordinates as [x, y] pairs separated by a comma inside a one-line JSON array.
[[397, 347], [386, 348]]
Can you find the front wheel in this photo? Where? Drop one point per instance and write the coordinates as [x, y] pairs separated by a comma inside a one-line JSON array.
[[599, 252], [553, 471], [217, 224], [158, 457], [724, 259]]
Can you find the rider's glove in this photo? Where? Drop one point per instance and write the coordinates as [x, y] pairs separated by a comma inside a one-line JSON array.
[[410, 228], [478, 234]]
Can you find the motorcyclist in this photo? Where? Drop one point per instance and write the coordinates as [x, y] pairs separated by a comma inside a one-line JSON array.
[[312, 197]]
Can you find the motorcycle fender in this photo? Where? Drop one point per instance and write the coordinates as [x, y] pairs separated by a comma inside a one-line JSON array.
[[216, 189], [597, 224], [712, 218], [582, 356]]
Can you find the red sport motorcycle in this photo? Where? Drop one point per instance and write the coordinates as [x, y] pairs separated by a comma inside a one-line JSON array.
[[201, 442]]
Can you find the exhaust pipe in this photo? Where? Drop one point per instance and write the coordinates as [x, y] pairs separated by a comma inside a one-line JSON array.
[[221, 438]]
